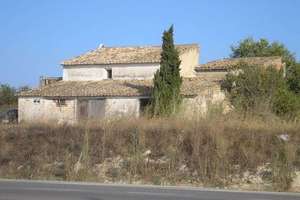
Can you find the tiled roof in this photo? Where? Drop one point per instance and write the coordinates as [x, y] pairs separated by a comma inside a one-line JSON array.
[[226, 64], [114, 88], [124, 55]]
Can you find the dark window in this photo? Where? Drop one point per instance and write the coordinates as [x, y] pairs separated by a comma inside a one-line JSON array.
[[36, 101], [144, 103], [60, 102], [109, 73]]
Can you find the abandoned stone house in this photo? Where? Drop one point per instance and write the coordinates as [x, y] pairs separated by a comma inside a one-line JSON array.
[[117, 81]]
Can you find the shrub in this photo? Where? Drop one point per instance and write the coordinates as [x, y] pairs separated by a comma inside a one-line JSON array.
[[286, 104], [293, 78], [250, 47], [7, 95], [251, 87], [254, 89]]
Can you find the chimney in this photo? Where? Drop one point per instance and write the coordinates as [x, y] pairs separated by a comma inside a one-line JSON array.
[[48, 80]]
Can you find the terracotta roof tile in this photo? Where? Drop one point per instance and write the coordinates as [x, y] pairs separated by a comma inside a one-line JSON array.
[[113, 88], [124, 55], [226, 64]]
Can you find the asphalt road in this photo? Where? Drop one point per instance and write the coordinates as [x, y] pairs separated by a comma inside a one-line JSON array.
[[33, 190]]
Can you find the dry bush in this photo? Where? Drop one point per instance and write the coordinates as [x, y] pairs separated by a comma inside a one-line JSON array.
[[205, 151]]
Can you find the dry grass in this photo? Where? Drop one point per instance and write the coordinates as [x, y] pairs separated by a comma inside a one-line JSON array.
[[207, 151]]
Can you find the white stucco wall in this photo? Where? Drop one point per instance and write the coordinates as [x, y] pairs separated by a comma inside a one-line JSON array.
[[84, 73], [189, 60], [28, 110], [119, 71], [134, 71], [118, 107], [46, 110]]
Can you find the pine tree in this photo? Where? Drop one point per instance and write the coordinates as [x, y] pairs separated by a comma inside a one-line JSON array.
[[167, 81]]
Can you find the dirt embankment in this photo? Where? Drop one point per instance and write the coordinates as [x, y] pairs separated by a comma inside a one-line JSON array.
[[221, 152]]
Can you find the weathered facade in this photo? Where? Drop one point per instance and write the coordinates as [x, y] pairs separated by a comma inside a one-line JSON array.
[[115, 71], [73, 101], [40, 109], [126, 63], [219, 68], [117, 81], [72, 110]]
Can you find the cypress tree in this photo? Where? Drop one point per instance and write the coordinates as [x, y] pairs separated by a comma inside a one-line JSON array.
[[167, 81]]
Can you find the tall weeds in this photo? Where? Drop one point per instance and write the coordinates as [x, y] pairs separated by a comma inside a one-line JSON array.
[[207, 151]]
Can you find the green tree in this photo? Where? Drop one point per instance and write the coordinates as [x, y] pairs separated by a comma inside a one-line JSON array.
[[286, 104], [262, 48], [293, 78], [7, 95], [167, 81], [250, 88], [253, 89]]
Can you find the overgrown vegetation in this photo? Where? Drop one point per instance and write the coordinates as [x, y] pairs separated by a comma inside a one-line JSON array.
[[8, 97], [262, 48], [293, 78], [256, 144], [167, 80], [256, 89], [222, 151]]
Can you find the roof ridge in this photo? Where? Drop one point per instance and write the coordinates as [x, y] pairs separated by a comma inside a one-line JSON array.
[[228, 59], [124, 54], [145, 46]]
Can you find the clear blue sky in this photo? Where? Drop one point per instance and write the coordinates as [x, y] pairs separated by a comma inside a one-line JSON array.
[[36, 35]]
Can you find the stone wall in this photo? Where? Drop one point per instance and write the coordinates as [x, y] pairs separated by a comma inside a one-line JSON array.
[[220, 75], [118, 107], [76, 110], [29, 110], [97, 109], [199, 105], [46, 110], [34, 109]]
